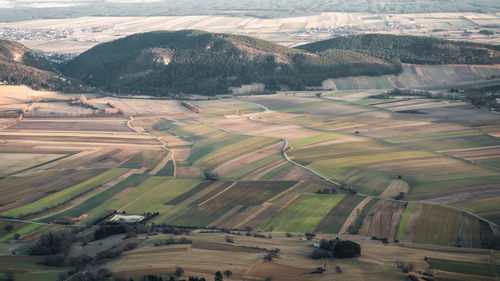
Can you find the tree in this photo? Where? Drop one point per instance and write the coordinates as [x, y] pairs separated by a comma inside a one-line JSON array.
[[178, 272], [8, 228], [268, 257], [228, 273], [212, 176], [218, 276]]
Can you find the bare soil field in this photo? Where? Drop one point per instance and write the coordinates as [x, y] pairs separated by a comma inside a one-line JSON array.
[[13, 162], [418, 76], [382, 220], [146, 107], [109, 125]]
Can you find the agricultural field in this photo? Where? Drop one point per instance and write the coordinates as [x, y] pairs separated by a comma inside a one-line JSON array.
[[210, 251], [274, 23], [304, 214], [333, 164]]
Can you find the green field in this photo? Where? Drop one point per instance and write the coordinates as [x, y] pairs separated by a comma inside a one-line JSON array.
[[93, 206], [152, 194], [252, 167], [65, 195], [454, 227], [304, 214], [211, 156], [220, 108], [23, 230], [146, 158], [196, 216], [250, 193], [404, 220], [439, 136], [335, 219], [471, 268], [315, 139], [368, 101], [274, 173], [167, 170], [362, 215]]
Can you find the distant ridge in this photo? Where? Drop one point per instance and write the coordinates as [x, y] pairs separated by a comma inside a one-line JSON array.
[[20, 65], [411, 49]]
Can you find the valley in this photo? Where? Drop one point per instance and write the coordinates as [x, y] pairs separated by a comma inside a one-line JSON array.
[[257, 163], [249, 140]]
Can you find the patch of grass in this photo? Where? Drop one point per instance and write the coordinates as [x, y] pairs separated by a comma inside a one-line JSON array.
[[315, 139], [66, 194], [22, 231], [304, 106], [472, 268], [167, 170], [304, 214], [42, 276], [404, 220], [369, 101]]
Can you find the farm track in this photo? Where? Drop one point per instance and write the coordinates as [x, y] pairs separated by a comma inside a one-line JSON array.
[[267, 110], [170, 155]]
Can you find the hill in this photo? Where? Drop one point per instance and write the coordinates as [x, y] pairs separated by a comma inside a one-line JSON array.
[[21, 66], [192, 61], [411, 49]]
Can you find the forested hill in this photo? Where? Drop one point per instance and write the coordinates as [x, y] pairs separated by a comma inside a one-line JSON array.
[[190, 61], [20, 65], [411, 49]]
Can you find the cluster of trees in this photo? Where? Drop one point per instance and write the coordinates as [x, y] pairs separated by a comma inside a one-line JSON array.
[[412, 49], [326, 191], [169, 229], [482, 97], [337, 249], [218, 276], [173, 241], [54, 246], [166, 63]]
